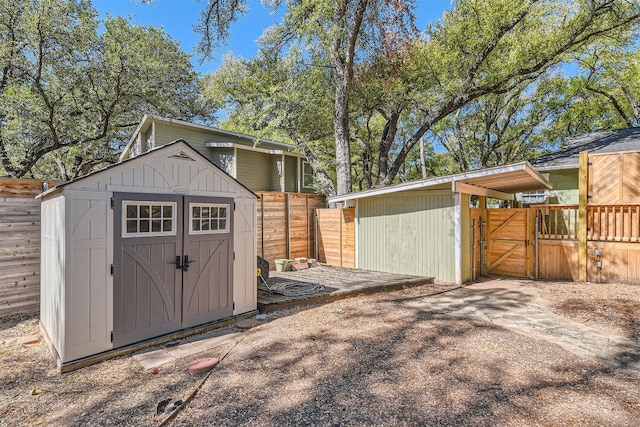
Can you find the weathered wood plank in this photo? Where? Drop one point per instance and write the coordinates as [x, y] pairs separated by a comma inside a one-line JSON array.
[[20, 245]]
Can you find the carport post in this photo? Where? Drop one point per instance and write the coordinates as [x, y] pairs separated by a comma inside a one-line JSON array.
[[482, 217], [537, 230]]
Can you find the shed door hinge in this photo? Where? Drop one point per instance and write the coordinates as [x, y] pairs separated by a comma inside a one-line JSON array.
[[234, 206], [113, 202], [234, 305], [112, 269], [589, 164], [589, 196], [234, 255], [111, 336]]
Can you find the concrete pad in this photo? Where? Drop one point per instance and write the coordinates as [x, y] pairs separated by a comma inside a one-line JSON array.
[[183, 350], [514, 305], [213, 342], [29, 339], [154, 358]]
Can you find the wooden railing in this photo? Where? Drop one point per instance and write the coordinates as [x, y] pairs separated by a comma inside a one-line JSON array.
[[607, 223], [557, 222], [613, 223]]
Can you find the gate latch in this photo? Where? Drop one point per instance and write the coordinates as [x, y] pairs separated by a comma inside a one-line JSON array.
[[177, 262], [185, 264]]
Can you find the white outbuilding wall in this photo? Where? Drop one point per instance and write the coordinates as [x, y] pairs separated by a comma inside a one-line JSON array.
[[77, 288]]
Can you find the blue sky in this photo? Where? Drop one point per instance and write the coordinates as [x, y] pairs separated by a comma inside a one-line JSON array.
[[178, 17]]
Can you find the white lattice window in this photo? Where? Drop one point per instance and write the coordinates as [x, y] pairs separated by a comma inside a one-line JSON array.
[[538, 197], [141, 219], [208, 218]]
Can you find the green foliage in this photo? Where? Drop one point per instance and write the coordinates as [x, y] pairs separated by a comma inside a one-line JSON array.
[[498, 129], [606, 91], [278, 99], [70, 93], [477, 82]]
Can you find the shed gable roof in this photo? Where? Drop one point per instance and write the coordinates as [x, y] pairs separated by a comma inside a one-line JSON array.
[[610, 141], [175, 167]]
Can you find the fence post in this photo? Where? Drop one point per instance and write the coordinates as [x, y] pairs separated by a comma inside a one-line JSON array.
[[537, 255], [287, 207], [482, 218], [583, 171]]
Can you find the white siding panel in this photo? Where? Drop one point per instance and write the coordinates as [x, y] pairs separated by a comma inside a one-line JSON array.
[[88, 321], [157, 172], [245, 291], [52, 269], [410, 234]]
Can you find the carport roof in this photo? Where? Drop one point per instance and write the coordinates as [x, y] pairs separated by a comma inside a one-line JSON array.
[[499, 182]]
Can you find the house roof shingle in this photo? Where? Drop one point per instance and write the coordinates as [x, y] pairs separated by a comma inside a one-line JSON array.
[[609, 141]]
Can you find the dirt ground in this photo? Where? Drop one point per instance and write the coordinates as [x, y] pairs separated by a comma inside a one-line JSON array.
[[368, 360]]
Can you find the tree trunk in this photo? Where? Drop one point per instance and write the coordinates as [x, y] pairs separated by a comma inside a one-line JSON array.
[[422, 161], [341, 130], [320, 174]]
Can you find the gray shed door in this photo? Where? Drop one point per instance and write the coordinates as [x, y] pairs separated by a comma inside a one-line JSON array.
[[173, 260]]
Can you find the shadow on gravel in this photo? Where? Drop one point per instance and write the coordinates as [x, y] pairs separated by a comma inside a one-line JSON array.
[[383, 360], [393, 365]]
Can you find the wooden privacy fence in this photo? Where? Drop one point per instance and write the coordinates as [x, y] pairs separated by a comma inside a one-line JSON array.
[[19, 245], [335, 229], [599, 238], [285, 228], [612, 242]]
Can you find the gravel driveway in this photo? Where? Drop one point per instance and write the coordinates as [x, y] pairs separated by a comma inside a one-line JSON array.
[[465, 357]]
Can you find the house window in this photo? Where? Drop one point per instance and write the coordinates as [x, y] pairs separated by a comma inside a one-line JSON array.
[[307, 175], [538, 197], [142, 219], [208, 218]]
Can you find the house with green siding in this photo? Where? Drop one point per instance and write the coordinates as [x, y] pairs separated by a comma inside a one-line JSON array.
[[561, 167], [258, 163], [424, 227]]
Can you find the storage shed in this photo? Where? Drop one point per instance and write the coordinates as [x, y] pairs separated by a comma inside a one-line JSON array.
[[156, 244], [424, 227]]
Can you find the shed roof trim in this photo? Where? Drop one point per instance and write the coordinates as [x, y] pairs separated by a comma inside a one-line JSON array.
[[170, 148], [514, 178]]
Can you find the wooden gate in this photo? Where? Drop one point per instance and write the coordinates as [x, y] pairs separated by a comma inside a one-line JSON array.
[[510, 241]]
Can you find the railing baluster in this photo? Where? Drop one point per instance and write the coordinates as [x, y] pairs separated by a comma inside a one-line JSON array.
[[614, 223]]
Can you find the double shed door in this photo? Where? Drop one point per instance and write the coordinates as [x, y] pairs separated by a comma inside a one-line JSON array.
[[173, 264]]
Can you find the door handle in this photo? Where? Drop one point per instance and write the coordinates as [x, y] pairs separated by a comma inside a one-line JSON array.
[[186, 262], [177, 262]]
